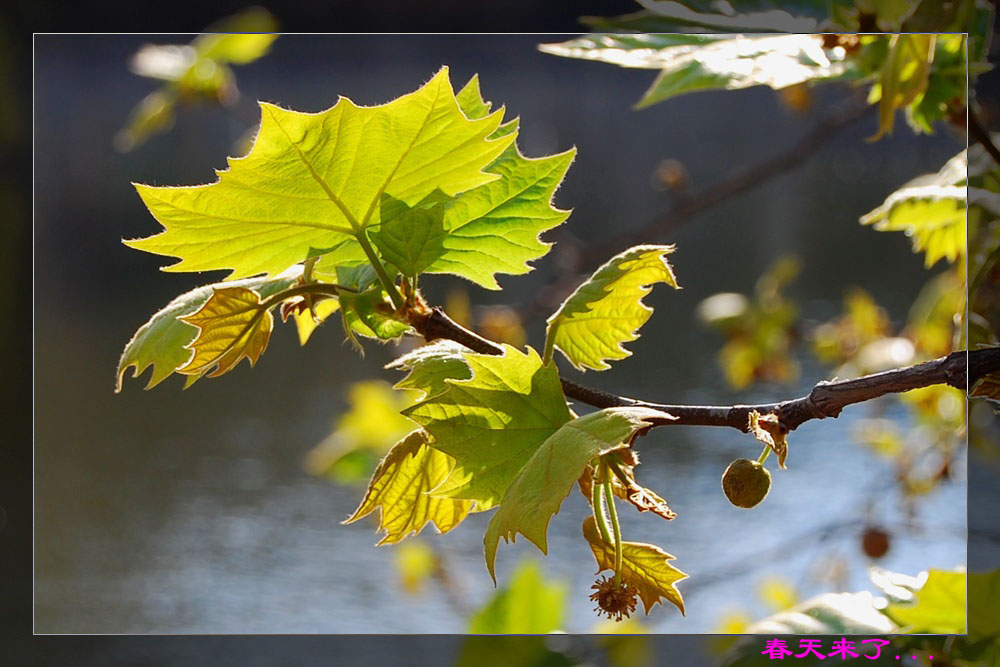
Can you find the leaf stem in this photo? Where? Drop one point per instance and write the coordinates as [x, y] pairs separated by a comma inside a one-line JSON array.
[[550, 343], [764, 454], [597, 501], [383, 276], [616, 527], [325, 289]]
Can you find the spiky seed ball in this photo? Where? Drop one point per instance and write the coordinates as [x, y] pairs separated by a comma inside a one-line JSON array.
[[746, 483], [617, 602]]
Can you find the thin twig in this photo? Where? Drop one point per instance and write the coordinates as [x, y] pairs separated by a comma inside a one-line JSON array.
[[959, 369], [745, 179]]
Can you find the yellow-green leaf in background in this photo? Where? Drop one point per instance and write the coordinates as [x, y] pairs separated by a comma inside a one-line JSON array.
[[644, 566], [530, 605], [903, 78], [195, 72], [163, 341], [940, 606], [548, 477], [232, 325], [399, 490], [493, 422], [415, 563], [314, 182], [307, 320], [931, 209], [607, 310], [366, 431]]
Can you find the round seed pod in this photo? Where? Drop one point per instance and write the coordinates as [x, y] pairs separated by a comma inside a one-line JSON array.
[[746, 483]]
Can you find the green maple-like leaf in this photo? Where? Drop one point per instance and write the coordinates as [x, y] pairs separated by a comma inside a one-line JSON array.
[[413, 239], [313, 183], [492, 423], [232, 325], [548, 477], [607, 310], [163, 341], [690, 63], [399, 489], [431, 365], [645, 566], [931, 210], [487, 230]]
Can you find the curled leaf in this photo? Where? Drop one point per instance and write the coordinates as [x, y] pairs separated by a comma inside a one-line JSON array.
[[232, 325], [606, 311], [163, 341], [769, 430], [399, 489]]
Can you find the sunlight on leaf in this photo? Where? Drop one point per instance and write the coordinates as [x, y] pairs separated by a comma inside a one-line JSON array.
[[314, 181], [711, 62], [399, 490], [232, 325], [606, 311], [430, 365], [493, 422]]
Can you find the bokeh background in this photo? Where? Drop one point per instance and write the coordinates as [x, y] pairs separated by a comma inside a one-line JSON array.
[[191, 512]]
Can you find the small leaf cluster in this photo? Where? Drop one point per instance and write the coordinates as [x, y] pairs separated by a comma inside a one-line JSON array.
[[341, 213]]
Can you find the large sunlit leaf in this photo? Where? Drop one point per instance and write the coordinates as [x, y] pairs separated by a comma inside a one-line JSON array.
[[399, 489], [548, 477], [931, 210], [234, 324], [645, 566], [492, 423], [716, 63], [529, 605], [314, 182], [163, 341], [940, 606], [606, 311]]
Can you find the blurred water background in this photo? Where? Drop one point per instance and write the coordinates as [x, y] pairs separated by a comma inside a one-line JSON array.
[[190, 512]]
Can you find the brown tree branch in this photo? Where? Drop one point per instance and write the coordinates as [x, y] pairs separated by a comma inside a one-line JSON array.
[[959, 369], [742, 180]]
